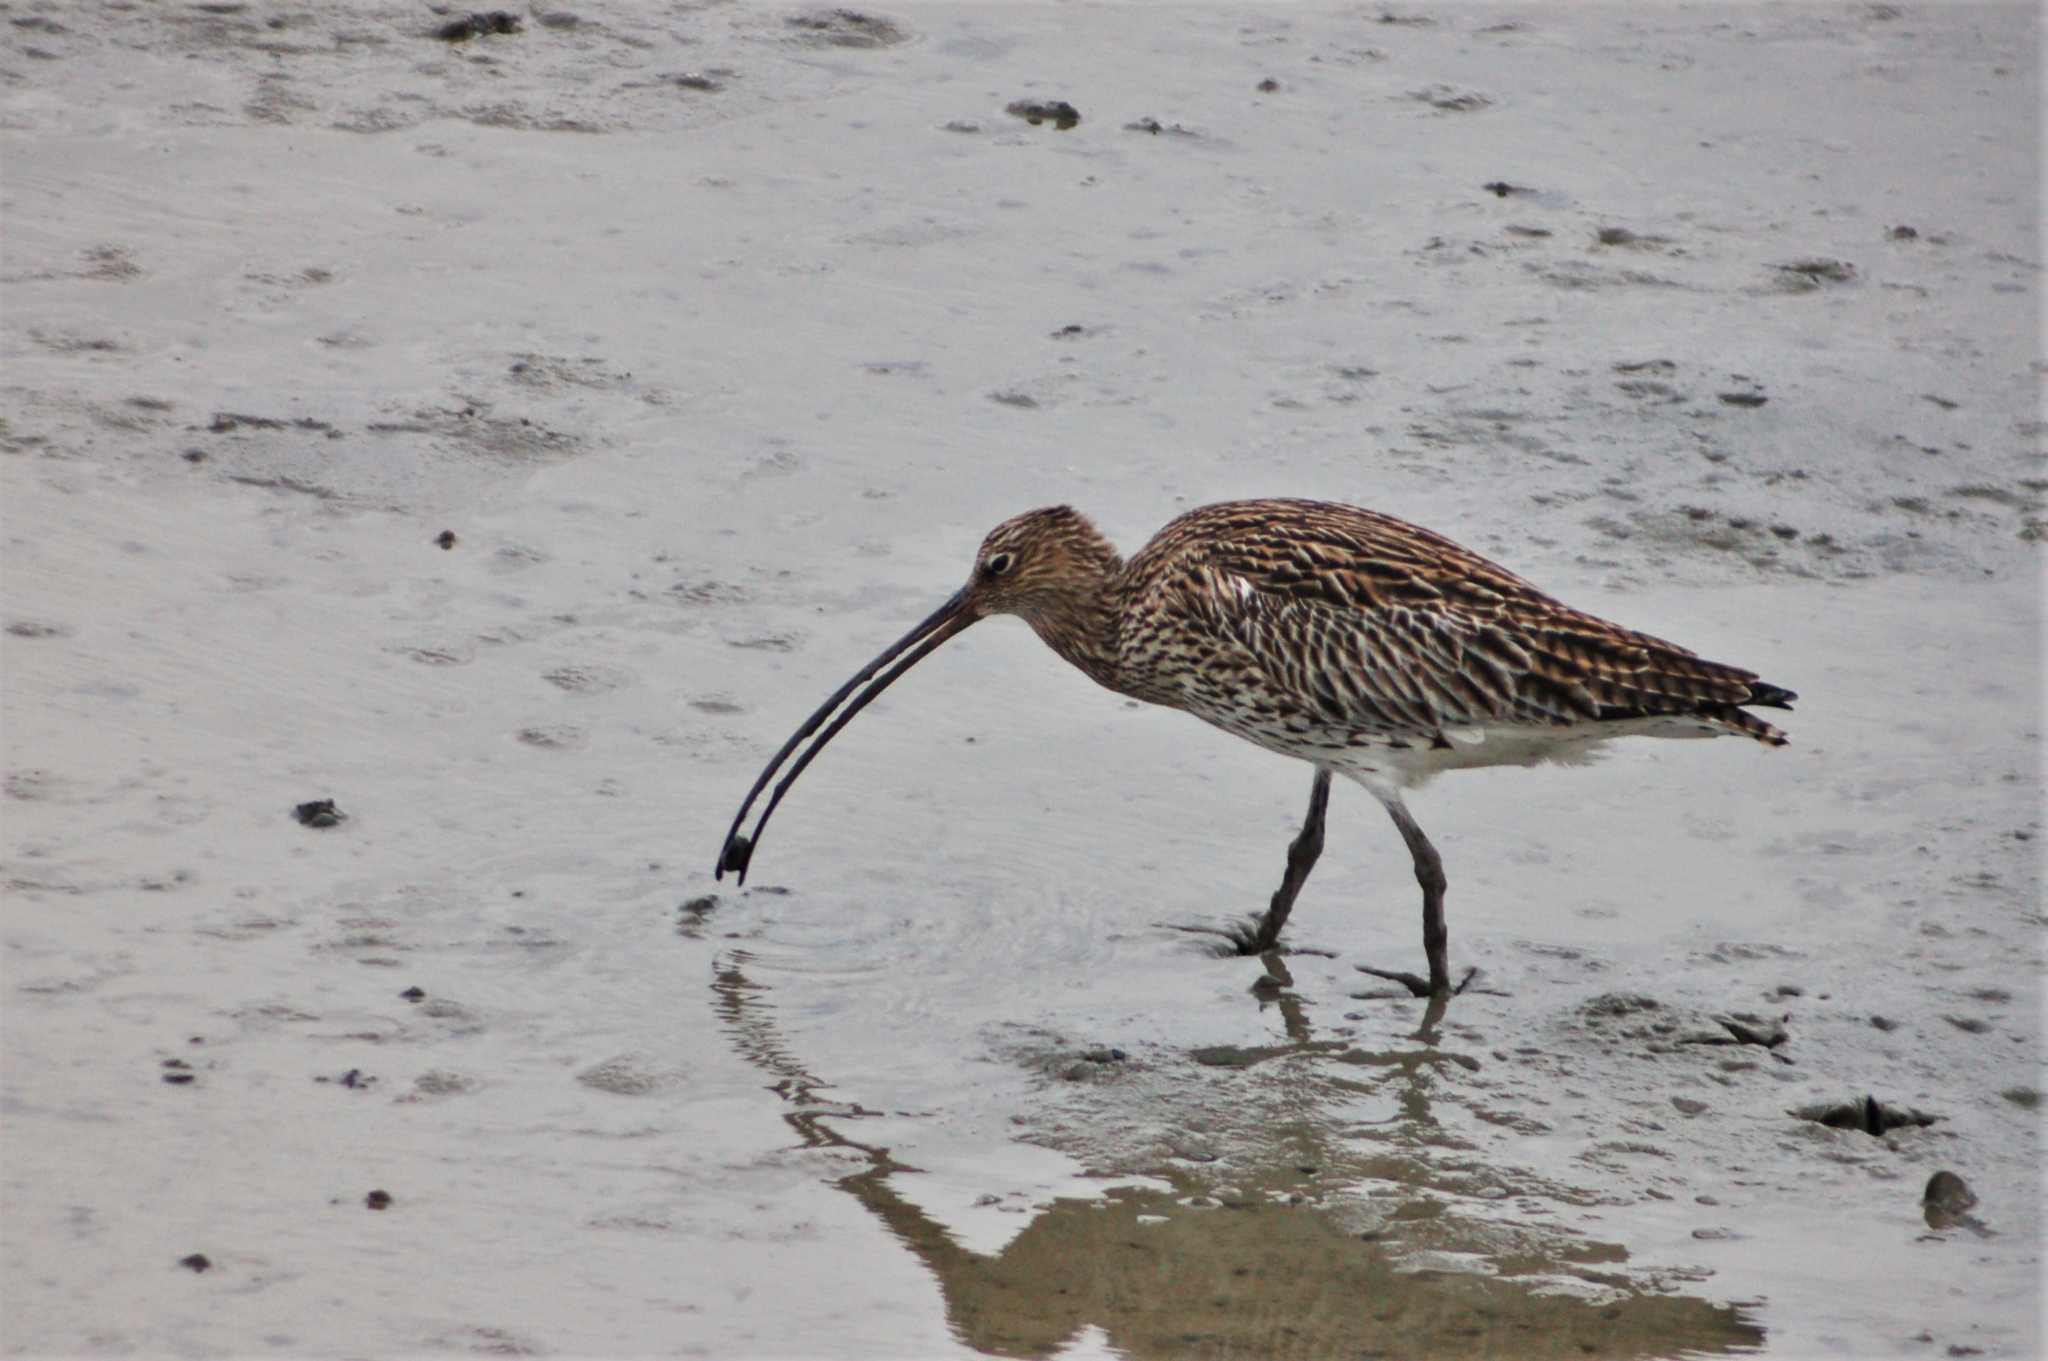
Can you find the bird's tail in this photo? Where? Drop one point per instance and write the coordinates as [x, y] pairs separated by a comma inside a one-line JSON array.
[[1740, 720]]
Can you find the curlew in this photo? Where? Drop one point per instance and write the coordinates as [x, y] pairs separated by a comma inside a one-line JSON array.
[[1364, 645]]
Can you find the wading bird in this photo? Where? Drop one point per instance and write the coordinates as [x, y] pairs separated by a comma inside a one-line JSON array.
[[1364, 645]]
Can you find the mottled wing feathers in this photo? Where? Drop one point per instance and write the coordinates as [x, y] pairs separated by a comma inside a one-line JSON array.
[[1313, 614]]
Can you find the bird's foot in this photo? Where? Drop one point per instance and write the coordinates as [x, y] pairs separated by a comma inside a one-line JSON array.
[[1251, 937], [1420, 987], [1245, 939]]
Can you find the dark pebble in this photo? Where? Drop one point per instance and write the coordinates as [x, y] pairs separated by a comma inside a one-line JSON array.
[[445, 539], [319, 813], [177, 1079], [198, 1261], [1268, 86], [378, 1200], [1947, 1191], [1058, 112], [414, 994], [481, 25]]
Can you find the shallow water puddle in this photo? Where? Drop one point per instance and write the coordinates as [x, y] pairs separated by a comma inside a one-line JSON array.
[[1270, 1201]]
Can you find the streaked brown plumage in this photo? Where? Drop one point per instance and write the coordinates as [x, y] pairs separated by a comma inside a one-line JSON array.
[[1355, 641]]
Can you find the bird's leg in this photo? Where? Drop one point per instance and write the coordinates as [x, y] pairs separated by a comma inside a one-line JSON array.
[[1429, 872], [1263, 933]]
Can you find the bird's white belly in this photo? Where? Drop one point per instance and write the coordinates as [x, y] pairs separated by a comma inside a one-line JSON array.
[[1404, 761]]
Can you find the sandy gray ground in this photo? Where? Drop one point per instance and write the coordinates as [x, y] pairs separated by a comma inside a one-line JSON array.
[[716, 336]]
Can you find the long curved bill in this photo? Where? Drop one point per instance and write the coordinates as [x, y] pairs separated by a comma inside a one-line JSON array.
[[949, 619]]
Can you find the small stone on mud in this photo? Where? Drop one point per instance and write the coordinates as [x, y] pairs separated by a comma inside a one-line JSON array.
[[445, 539], [1268, 86], [1686, 1105], [1969, 1025], [1884, 1023], [319, 813], [414, 994], [378, 1200], [197, 1261], [1948, 1191], [1058, 112], [478, 25]]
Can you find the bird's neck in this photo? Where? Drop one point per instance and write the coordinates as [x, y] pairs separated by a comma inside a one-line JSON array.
[[1081, 622], [1084, 631]]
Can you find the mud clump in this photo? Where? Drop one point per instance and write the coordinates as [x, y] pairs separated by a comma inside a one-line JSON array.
[[1057, 112], [1149, 124], [846, 28], [1619, 1004], [484, 24], [1806, 275]]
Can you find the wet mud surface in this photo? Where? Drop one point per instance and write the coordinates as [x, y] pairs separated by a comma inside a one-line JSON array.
[[442, 454], [1284, 1238]]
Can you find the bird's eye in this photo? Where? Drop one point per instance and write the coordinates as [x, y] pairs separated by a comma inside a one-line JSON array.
[[999, 563]]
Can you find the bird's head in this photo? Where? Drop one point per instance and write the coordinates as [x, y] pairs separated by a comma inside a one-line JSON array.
[[1029, 564]]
